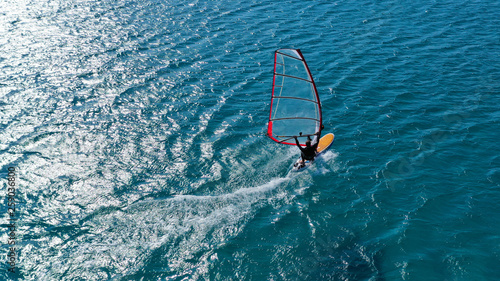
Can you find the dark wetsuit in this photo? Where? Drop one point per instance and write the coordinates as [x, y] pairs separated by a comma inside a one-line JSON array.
[[308, 152]]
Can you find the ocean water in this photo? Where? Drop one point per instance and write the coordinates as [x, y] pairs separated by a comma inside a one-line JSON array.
[[137, 132]]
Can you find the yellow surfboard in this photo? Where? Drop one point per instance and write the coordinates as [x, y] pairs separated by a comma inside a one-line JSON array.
[[324, 143]]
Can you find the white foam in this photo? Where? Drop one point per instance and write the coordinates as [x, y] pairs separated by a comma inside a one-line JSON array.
[[186, 225]]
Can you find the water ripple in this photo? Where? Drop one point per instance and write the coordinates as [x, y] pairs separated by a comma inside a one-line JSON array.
[[139, 131]]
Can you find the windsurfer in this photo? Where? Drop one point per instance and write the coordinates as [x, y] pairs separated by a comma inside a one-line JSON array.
[[308, 152]]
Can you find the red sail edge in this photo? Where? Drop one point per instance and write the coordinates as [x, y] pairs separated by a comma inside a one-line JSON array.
[[315, 90]]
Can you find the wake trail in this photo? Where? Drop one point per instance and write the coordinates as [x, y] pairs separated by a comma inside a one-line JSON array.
[[187, 226]]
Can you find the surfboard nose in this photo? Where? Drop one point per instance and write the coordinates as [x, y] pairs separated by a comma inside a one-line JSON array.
[[325, 142]]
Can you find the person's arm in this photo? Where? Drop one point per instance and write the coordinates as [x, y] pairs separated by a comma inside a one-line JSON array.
[[316, 140], [298, 144]]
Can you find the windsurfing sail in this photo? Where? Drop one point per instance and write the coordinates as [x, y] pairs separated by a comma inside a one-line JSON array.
[[295, 105]]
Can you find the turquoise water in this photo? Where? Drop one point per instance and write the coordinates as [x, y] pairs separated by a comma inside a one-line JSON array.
[[138, 133]]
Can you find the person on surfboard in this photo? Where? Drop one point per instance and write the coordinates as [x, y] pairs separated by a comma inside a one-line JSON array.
[[308, 152]]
